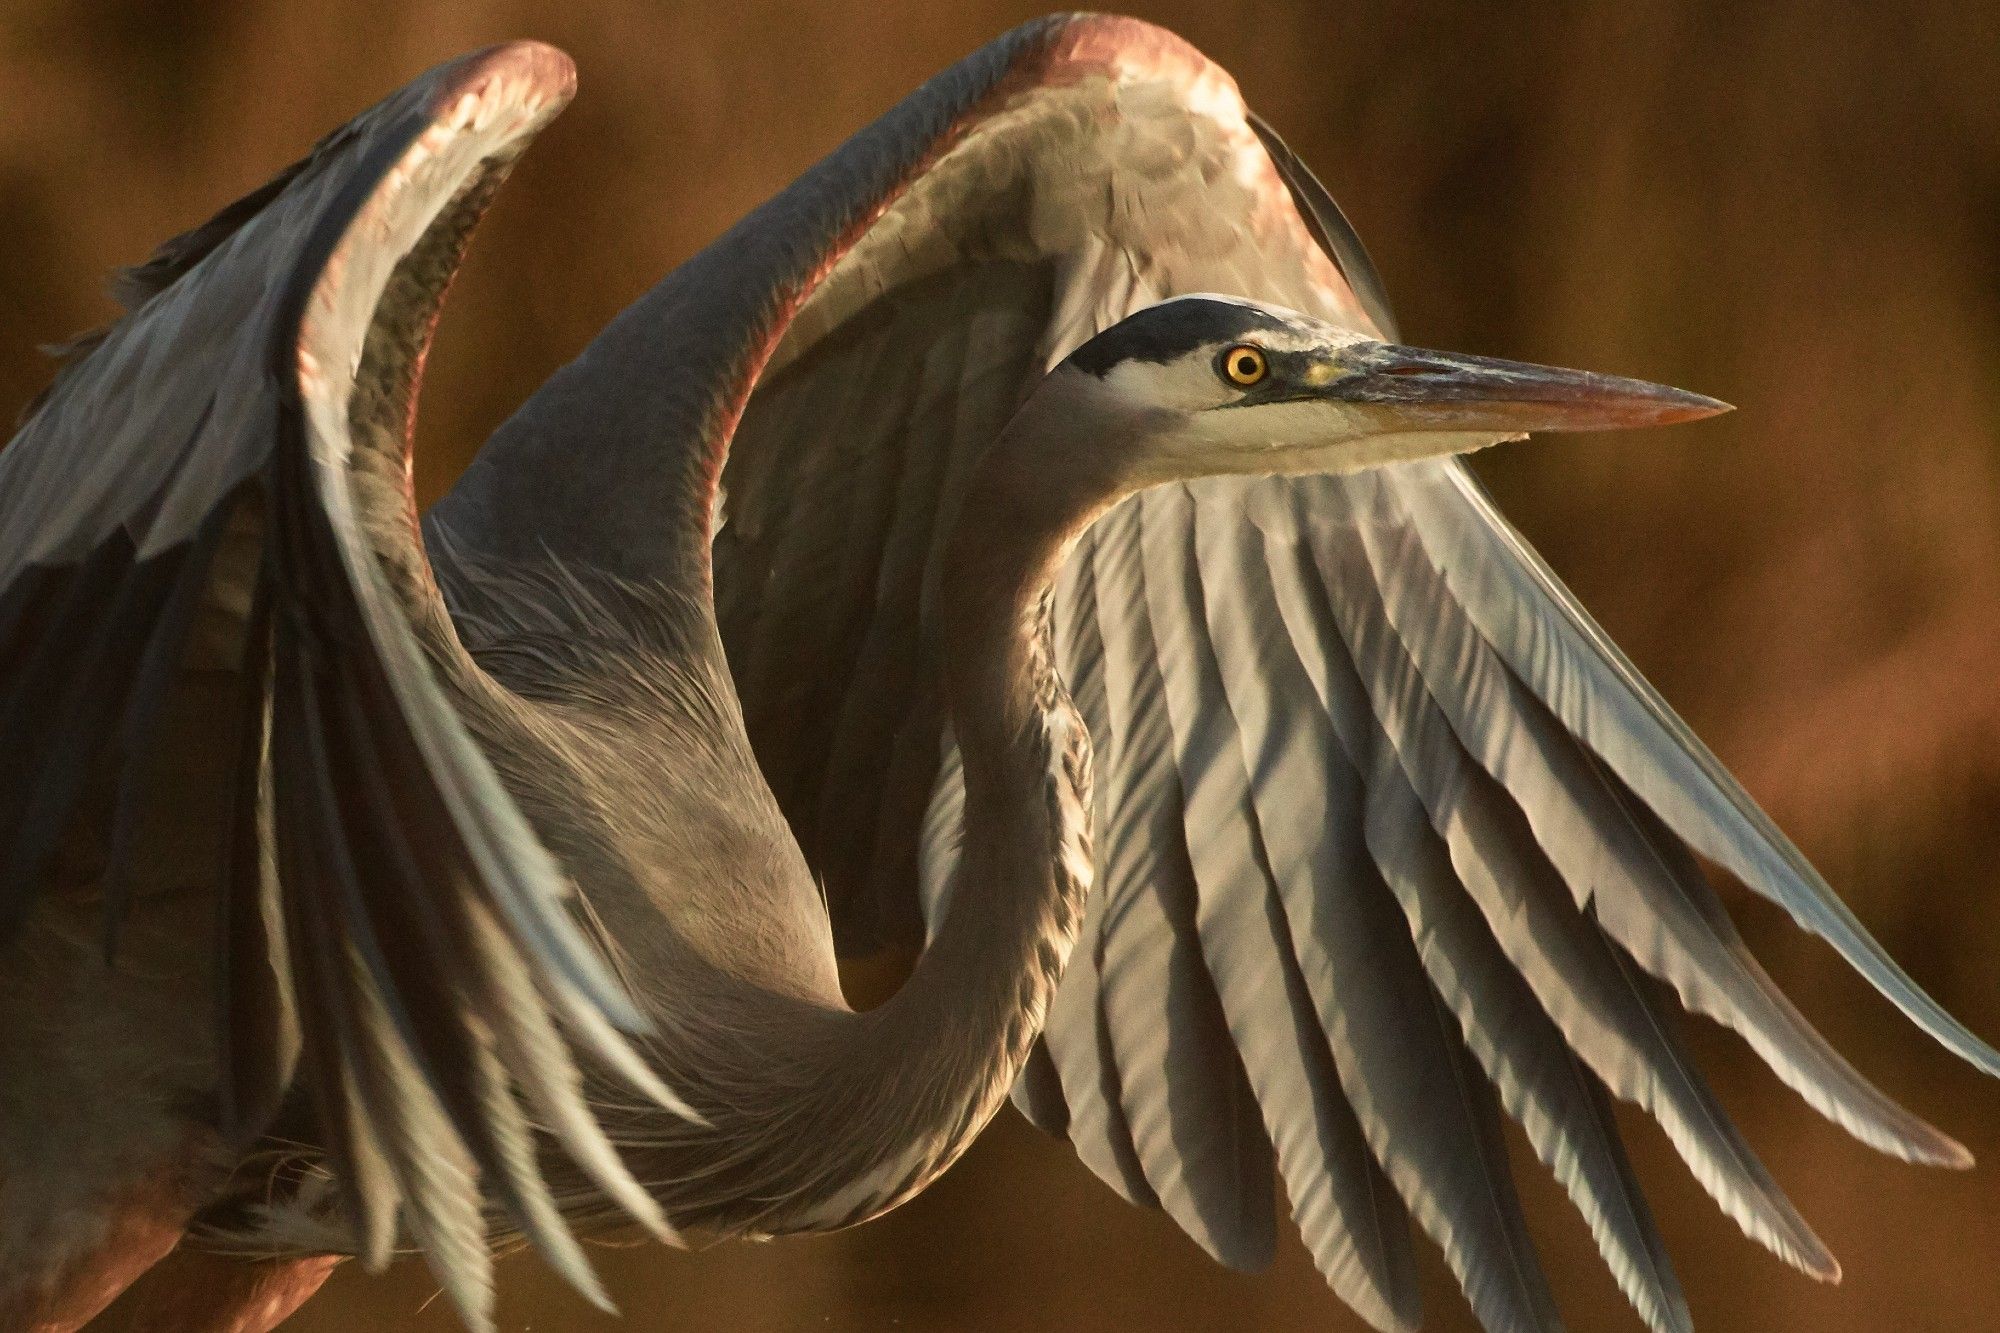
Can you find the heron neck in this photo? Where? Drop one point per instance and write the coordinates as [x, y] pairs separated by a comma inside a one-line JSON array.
[[846, 1115], [971, 1010], [1024, 750]]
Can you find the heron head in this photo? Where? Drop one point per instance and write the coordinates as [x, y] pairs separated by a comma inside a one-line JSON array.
[[1220, 385]]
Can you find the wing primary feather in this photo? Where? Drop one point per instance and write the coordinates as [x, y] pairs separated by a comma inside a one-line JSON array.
[[429, 1162], [257, 1032], [1550, 641], [1075, 1031], [1198, 1135], [1289, 743], [1425, 1115], [1631, 888], [1089, 1067], [1425, 1107], [1524, 1055], [1588, 987], [1568, 963], [367, 1189], [1862, 1108], [441, 1200], [422, 983], [1351, 1218], [60, 708], [154, 676]]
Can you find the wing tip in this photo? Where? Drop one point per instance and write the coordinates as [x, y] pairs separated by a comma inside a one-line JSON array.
[[1806, 1252], [1940, 1149], [540, 73]]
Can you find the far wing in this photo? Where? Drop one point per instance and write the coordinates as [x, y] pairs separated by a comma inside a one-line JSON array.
[[210, 512], [1390, 841]]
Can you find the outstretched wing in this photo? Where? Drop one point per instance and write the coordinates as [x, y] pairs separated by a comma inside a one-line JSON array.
[[210, 514], [1390, 840]]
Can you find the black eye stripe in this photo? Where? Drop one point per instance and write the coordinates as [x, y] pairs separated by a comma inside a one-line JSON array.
[[1166, 332]]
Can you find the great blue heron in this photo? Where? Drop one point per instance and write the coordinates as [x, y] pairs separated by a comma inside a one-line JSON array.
[[792, 614]]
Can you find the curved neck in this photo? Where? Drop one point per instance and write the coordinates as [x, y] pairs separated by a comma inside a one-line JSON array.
[[960, 1028], [1028, 501], [826, 1117]]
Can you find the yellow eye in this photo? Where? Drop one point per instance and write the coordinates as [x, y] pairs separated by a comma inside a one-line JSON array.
[[1245, 365]]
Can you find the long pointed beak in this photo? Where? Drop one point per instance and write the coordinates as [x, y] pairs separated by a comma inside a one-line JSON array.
[[1445, 391]]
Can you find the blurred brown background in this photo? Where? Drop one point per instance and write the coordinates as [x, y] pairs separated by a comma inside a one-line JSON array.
[[1791, 205]]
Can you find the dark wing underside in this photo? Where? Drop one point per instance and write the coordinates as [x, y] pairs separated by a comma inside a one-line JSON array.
[[208, 516], [1390, 841]]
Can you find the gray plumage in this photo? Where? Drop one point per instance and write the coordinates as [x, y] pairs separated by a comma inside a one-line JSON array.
[[1268, 812]]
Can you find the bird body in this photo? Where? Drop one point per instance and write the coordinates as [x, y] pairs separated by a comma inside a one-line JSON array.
[[1023, 536]]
